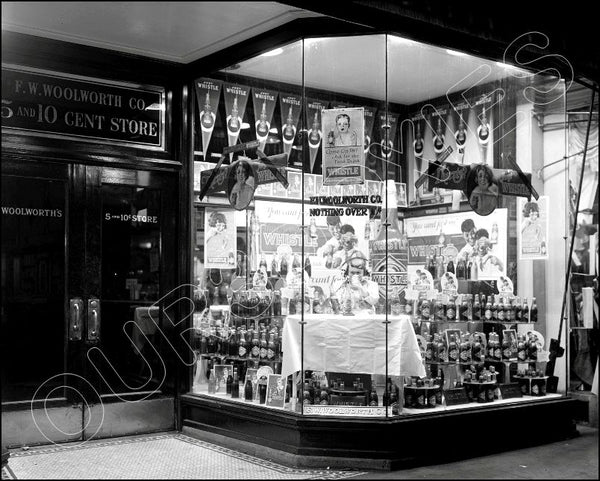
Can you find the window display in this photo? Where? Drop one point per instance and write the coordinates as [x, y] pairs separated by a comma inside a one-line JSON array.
[[403, 264]]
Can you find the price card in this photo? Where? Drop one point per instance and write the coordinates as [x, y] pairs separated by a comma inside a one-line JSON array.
[[510, 390], [456, 396]]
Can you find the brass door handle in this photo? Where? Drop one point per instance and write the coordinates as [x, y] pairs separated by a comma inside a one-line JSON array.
[[75, 310], [93, 319]]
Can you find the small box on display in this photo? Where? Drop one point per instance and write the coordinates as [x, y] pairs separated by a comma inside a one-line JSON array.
[[532, 386], [422, 397], [481, 392], [477, 287]]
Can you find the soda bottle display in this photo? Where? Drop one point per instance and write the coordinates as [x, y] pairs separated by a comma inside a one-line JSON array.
[[506, 348], [453, 353], [463, 309], [477, 350], [500, 311], [248, 390], [532, 349], [235, 386], [465, 349], [440, 314], [476, 309], [430, 266], [518, 309], [533, 314], [451, 309], [274, 272], [212, 383], [429, 349], [263, 346], [522, 348], [461, 269], [525, 311], [508, 310], [390, 255], [373, 397], [450, 266], [229, 382], [488, 313], [439, 267]]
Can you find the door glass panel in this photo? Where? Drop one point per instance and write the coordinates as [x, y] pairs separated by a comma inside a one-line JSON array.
[[130, 265], [33, 285]]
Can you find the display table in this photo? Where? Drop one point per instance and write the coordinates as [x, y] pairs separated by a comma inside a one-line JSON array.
[[351, 344]]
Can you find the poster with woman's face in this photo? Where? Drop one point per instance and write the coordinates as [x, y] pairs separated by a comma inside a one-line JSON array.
[[241, 182], [532, 228], [220, 238], [482, 189]]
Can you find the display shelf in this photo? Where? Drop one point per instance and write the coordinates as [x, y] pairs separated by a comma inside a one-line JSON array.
[[507, 361]]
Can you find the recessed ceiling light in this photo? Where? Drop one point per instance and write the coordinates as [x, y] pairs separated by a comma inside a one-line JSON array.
[[272, 53], [401, 40], [455, 53]]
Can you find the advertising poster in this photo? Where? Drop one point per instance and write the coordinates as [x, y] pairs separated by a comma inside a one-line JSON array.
[[207, 94], [343, 146], [461, 234], [281, 237], [532, 222], [221, 238]]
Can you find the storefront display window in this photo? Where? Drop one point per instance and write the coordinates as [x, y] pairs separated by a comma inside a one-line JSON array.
[[371, 237]]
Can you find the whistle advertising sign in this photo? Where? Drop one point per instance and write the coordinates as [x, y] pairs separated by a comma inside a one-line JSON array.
[[53, 104]]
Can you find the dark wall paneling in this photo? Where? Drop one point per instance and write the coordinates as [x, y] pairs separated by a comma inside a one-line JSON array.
[[67, 58]]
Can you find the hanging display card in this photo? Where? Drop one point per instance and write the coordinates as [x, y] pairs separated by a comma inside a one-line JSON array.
[[532, 225], [343, 148], [220, 238]]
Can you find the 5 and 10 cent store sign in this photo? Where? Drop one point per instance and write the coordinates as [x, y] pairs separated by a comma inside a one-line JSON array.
[[53, 104]]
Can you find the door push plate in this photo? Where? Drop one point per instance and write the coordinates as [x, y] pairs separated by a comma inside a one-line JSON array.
[[93, 319], [75, 318]]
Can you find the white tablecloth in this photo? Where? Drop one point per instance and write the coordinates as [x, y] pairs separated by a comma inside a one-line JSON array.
[[351, 344]]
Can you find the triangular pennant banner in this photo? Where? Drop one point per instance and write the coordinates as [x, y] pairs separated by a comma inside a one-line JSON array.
[[264, 105], [315, 133], [236, 97], [208, 92], [291, 105]]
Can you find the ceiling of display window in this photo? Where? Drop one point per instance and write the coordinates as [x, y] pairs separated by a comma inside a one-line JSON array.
[[187, 31], [356, 66]]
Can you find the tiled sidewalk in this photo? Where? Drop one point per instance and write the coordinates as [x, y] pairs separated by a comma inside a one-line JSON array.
[[160, 456]]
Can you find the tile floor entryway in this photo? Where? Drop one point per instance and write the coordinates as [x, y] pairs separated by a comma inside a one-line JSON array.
[[178, 456], [161, 456]]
